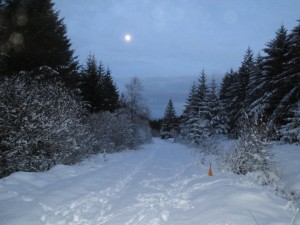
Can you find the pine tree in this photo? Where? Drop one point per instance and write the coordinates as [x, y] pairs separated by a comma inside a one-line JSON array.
[[91, 84], [275, 63], [169, 123], [234, 93], [290, 132], [254, 88], [245, 72], [199, 124], [240, 89], [189, 112], [229, 100], [218, 123], [36, 37], [287, 111], [109, 93]]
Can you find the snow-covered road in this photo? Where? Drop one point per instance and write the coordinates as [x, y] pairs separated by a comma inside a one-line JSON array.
[[159, 184]]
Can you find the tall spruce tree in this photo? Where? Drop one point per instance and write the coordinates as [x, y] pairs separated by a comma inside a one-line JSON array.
[[35, 37], [110, 93], [234, 93], [199, 124], [275, 63], [169, 125], [91, 84], [245, 72], [240, 89], [218, 122], [189, 113], [229, 99], [254, 88], [287, 111]]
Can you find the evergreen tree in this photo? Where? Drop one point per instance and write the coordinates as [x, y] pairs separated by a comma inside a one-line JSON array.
[[245, 72], [198, 128], [35, 36], [189, 112], [229, 100], [218, 123], [240, 89], [275, 63], [286, 115], [201, 91], [109, 93], [254, 88], [234, 93], [203, 109], [169, 123], [91, 84], [290, 131]]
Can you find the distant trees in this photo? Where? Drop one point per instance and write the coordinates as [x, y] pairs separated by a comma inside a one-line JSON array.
[[169, 126], [265, 88]]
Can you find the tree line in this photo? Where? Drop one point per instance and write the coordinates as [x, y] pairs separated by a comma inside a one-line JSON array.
[[54, 110], [265, 89]]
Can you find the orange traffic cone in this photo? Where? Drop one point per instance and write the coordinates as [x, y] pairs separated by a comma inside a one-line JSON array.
[[210, 173]]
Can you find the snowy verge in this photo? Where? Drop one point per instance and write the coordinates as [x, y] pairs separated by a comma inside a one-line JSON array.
[[287, 157]]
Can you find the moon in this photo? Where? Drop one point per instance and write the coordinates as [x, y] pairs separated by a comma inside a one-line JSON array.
[[127, 38]]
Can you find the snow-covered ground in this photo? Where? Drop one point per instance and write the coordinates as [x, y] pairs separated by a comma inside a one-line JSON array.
[[287, 158], [161, 183]]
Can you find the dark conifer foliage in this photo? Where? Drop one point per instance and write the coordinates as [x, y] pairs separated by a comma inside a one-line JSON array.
[[98, 88], [275, 64], [34, 37], [254, 89], [194, 123], [267, 88], [109, 93], [169, 126], [218, 121], [229, 99], [90, 84]]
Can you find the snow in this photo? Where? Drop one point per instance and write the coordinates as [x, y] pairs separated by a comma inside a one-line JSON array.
[[161, 183], [287, 159]]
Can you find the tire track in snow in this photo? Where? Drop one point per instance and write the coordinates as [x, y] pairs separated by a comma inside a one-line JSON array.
[[166, 194], [83, 209]]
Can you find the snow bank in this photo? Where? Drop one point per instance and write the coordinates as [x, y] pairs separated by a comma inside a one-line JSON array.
[[287, 158], [160, 184]]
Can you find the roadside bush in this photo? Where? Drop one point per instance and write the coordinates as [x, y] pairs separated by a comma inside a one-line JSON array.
[[251, 153], [40, 125], [113, 131]]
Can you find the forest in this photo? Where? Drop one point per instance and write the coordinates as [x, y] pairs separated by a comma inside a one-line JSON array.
[[53, 110]]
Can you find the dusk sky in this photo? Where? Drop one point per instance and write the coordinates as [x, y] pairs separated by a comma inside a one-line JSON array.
[[172, 40]]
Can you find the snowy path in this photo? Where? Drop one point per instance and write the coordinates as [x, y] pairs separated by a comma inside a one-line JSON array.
[[159, 184]]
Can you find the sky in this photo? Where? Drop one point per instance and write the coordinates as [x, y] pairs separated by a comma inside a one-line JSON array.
[[172, 41]]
